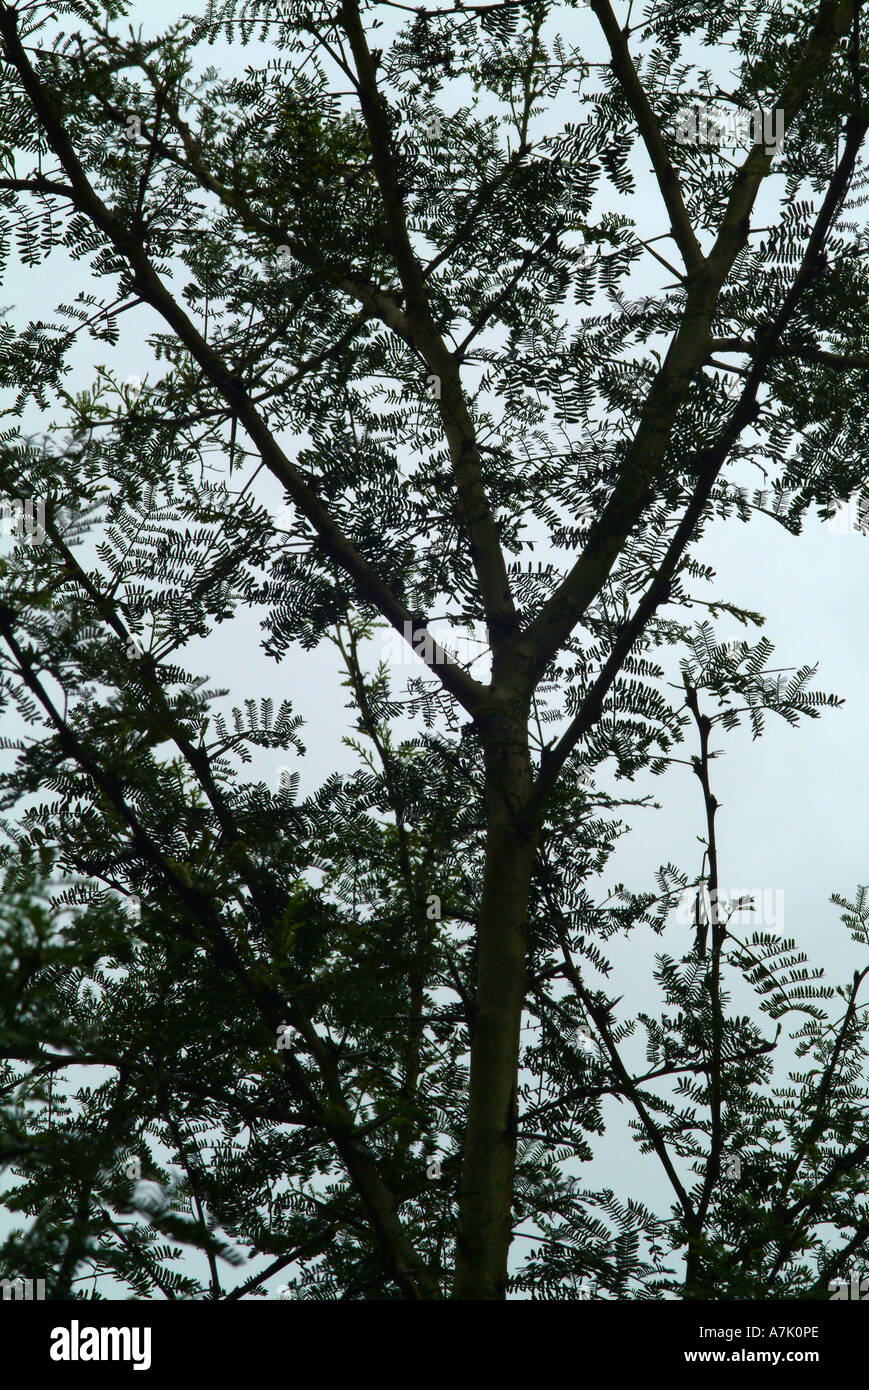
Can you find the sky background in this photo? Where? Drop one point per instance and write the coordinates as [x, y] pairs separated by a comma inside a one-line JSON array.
[[792, 817]]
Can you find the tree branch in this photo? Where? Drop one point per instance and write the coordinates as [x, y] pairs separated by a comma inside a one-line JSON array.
[[485, 545], [640, 473], [151, 288], [647, 122]]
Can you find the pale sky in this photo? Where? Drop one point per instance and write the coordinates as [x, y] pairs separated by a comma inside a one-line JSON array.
[[792, 816]]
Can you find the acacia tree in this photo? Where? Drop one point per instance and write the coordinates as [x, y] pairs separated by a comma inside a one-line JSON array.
[[408, 308]]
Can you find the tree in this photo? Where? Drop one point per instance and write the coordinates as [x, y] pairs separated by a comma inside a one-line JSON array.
[[386, 305]]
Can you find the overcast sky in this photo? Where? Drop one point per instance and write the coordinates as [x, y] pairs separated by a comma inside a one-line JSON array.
[[792, 818]]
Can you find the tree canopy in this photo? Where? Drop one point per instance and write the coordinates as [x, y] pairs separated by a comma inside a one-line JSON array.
[[382, 262]]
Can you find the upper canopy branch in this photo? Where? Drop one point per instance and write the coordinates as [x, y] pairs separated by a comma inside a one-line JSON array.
[[151, 288], [640, 471], [708, 465], [650, 130], [485, 546]]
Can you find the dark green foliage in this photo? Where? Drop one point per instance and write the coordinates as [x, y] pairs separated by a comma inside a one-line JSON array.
[[288, 1022]]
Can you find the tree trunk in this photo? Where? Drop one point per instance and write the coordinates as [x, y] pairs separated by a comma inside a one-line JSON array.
[[486, 1190]]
